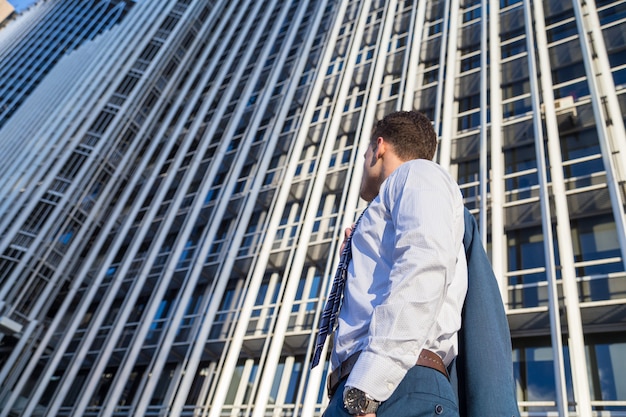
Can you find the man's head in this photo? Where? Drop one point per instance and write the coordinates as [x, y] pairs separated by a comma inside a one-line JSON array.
[[397, 138], [410, 132]]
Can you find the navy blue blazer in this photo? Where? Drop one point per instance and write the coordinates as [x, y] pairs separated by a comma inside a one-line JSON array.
[[483, 370]]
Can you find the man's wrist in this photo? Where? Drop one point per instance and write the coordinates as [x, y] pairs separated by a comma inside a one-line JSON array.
[[358, 402]]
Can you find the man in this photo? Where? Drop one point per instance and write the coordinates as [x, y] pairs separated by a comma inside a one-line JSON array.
[[406, 282]]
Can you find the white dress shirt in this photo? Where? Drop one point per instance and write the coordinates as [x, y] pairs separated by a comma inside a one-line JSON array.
[[407, 280]]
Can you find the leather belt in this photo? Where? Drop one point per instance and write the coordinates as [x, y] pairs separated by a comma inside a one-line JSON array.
[[426, 358]]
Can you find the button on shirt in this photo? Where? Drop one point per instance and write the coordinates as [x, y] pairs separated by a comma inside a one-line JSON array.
[[407, 280]]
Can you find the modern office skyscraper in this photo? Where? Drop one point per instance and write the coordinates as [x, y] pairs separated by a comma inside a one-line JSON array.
[[173, 194], [32, 45]]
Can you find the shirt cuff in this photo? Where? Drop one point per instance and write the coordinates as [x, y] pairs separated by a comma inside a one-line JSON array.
[[377, 376]]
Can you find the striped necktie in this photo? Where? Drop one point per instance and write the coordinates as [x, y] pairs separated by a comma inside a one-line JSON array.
[[329, 315]]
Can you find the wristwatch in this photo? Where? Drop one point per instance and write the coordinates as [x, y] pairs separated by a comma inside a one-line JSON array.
[[358, 403]]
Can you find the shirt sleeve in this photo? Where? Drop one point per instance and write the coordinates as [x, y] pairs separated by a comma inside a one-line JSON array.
[[421, 205]]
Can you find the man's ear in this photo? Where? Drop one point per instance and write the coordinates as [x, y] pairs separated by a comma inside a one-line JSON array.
[[381, 147]]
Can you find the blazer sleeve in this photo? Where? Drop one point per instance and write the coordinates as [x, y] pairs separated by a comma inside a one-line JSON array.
[[483, 371]]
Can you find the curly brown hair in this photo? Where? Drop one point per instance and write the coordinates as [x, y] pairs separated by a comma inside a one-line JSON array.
[[410, 132]]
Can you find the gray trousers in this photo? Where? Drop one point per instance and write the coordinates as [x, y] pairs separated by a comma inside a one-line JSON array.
[[423, 392]]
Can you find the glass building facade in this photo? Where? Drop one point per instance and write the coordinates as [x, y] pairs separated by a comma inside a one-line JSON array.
[[173, 193], [38, 38]]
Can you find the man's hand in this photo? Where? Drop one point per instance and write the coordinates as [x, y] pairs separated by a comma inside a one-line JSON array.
[[346, 234]]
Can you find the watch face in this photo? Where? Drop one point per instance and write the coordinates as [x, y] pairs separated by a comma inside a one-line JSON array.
[[355, 401]]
